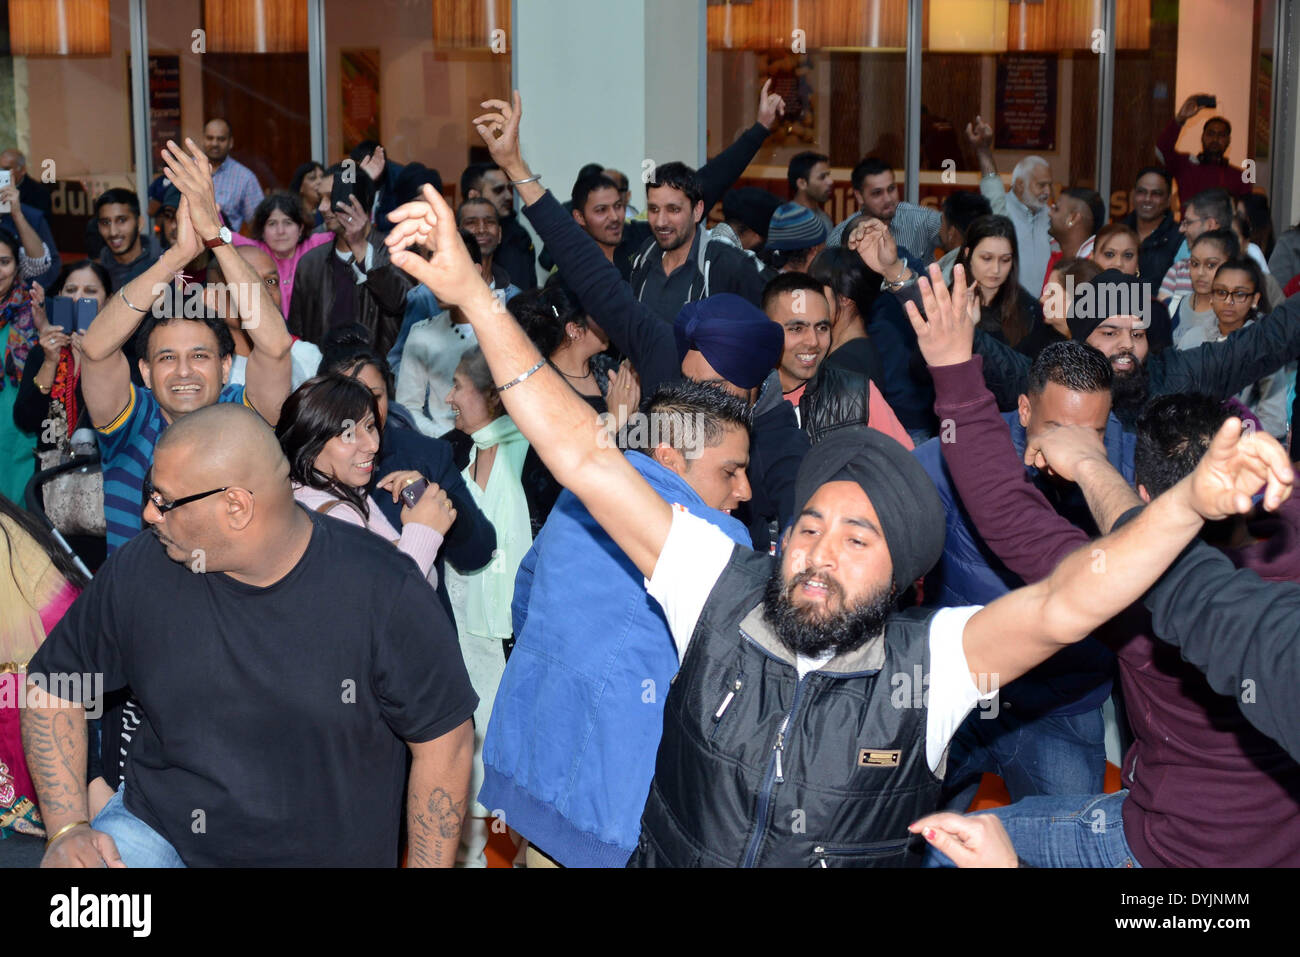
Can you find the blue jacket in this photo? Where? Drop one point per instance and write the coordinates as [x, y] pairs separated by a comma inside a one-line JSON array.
[[1074, 680], [570, 748]]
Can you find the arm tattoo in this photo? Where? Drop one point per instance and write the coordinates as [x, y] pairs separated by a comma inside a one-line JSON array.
[[433, 825], [54, 742]]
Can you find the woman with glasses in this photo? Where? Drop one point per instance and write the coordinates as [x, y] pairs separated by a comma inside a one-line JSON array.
[[329, 431], [1235, 295], [1193, 315]]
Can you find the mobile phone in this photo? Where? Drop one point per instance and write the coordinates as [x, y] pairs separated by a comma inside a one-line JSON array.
[[1209, 101], [86, 311], [343, 190], [6, 179], [412, 493], [60, 310]]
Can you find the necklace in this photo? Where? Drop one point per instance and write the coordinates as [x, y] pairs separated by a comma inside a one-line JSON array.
[[586, 375]]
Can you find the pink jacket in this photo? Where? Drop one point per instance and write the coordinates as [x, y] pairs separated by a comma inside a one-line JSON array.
[[287, 267]]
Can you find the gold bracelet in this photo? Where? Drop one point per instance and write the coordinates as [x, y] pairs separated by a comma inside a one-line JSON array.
[[64, 830]]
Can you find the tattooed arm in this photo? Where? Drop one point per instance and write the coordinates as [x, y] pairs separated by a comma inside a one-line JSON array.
[[54, 742], [438, 797]]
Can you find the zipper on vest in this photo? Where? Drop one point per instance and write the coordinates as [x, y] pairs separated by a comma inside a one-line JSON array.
[[773, 776], [726, 702], [780, 747]]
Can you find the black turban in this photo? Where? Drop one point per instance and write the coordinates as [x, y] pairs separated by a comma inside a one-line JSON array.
[[911, 515], [1111, 293]]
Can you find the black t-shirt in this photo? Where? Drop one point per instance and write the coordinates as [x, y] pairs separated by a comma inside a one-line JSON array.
[[275, 719]]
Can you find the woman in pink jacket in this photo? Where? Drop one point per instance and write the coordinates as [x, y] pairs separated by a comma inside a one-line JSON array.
[[329, 432], [283, 229]]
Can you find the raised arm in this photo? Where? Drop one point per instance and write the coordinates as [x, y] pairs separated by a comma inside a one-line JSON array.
[[1010, 513], [563, 428], [1102, 578], [719, 173], [105, 373], [270, 368], [599, 286], [1096, 582], [1225, 368], [980, 135]]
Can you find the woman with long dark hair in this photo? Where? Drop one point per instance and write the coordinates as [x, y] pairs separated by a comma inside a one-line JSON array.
[[18, 335], [39, 580], [283, 229], [992, 263], [329, 430]]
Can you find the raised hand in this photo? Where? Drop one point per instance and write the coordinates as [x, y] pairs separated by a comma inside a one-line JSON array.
[[187, 244], [877, 249], [191, 173], [10, 195], [980, 134], [1062, 449], [946, 334], [449, 272], [976, 841], [770, 105], [434, 509], [356, 225], [1189, 108], [499, 129], [373, 165], [1234, 468]]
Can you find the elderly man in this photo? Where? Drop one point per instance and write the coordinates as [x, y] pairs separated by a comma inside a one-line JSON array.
[[1028, 205], [279, 717], [785, 708]]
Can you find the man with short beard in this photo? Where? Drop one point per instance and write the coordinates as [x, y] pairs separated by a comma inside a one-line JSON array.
[[1114, 313], [786, 740], [598, 207]]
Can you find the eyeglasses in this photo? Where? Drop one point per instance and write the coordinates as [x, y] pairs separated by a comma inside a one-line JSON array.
[[154, 497], [1236, 296]]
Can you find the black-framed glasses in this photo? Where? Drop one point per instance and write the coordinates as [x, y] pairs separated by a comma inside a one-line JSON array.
[[1237, 296], [154, 497]]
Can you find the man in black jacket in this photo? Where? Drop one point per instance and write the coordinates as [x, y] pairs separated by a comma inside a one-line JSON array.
[[349, 280], [1154, 223], [685, 263], [777, 445]]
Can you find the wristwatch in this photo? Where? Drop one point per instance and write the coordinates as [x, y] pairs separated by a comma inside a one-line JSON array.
[[223, 237], [894, 286]]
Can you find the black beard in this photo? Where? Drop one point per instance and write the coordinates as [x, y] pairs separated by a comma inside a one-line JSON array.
[[1129, 394], [840, 633]]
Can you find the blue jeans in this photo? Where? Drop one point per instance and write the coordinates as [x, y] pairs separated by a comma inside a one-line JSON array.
[[1078, 831], [138, 844], [1048, 755]]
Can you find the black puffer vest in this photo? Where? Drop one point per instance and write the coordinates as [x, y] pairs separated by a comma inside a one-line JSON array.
[[757, 768]]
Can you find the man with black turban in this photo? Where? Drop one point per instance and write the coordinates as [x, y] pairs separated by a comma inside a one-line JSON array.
[[809, 722], [1119, 315]]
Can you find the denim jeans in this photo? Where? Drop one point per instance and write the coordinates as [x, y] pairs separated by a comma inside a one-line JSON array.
[[138, 844], [1068, 831], [1048, 755]]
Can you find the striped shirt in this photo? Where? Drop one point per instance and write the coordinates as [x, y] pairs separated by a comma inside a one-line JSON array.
[[915, 227], [126, 452], [237, 191]]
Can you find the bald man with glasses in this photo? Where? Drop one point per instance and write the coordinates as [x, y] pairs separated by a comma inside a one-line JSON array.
[[285, 662]]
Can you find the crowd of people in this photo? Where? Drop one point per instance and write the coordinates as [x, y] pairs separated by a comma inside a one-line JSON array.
[[720, 534]]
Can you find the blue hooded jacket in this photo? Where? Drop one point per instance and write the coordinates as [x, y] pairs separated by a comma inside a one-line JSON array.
[[570, 748], [1076, 679]]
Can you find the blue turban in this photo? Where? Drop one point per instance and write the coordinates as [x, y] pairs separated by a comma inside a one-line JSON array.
[[733, 335]]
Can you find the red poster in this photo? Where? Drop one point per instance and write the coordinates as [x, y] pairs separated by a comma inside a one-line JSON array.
[[359, 79]]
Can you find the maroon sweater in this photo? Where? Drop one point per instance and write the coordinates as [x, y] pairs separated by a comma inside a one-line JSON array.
[[1205, 788], [1193, 177]]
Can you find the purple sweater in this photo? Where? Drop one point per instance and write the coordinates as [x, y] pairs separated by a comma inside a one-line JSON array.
[[1205, 788]]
